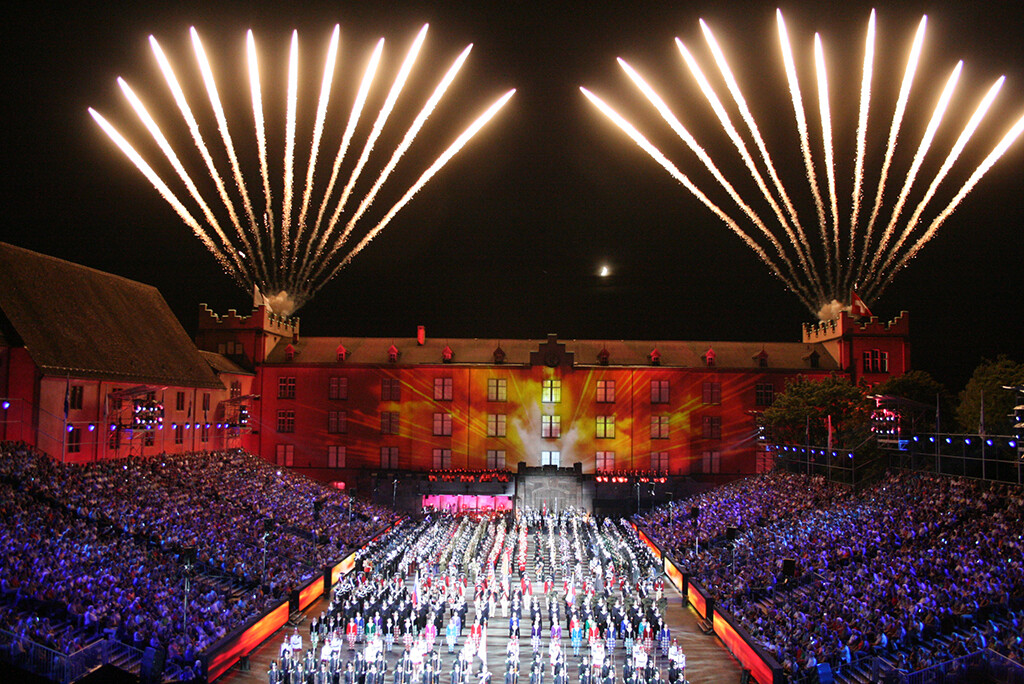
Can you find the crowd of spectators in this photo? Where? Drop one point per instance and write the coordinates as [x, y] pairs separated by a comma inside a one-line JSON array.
[[101, 550], [917, 569]]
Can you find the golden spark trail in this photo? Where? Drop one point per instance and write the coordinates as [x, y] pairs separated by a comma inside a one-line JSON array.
[[164, 191], [261, 141], [673, 171], [801, 123], [421, 119], [737, 95], [894, 132], [438, 164], [741, 147], [193, 127], [862, 130], [951, 159], [919, 156], [375, 132], [826, 134], [318, 128], [289, 147], [983, 168], [691, 142], [225, 134]]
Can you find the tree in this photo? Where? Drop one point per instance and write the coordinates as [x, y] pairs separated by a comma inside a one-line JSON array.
[[804, 408], [990, 377], [921, 387]]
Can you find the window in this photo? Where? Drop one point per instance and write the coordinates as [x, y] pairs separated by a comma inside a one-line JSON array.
[[286, 420], [206, 400], [75, 393], [497, 389], [114, 441], [74, 440], [659, 427], [606, 391], [712, 393], [442, 425], [286, 455], [551, 391], [389, 422], [659, 461], [204, 434], [711, 427], [179, 401], [764, 394], [335, 456], [115, 402], [814, 359], [551, 458], [605, 427], [442, 389], [604, 460], [236, 390], [550, 426], [876, 361], [712, 461], [496, 424], [390, 390], [179, 434], [149, 438], [442, 459], [337, 388], [389, 457], [495, 459], [659, 391], [337, 422], [286, 388]]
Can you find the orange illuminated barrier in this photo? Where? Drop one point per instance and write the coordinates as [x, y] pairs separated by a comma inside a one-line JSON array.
[[645, 540], [343, 568], [699, 599], [232, 647], [312, 592], [674, 576], [763, 667]]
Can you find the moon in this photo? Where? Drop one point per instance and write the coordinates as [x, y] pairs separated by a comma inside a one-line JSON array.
[[604, 272]]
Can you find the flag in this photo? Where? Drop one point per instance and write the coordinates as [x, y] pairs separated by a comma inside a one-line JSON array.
[[67, 398], [858, 308]]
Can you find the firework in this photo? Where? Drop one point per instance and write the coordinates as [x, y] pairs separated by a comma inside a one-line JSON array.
[[859, 250], [288, 257]]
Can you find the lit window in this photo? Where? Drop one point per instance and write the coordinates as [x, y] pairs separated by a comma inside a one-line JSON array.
[[442, 389], [390, 390], [442, 459], [604, 460], [496, 424], [495, 459], [764, 394], [606, 391], [711, 427], [337, 422], [551, 391], [442, 425], [605, 427], [286, 455], [335, 456], [659, 391], [551, 458], [876, 361], [389, 457], [712, 461], [659, 461], [236, 390], [712, 393], [497, 389], [389, 422], [286, 421], [551, 426], [286, 388], [337, 388], [659, 427]]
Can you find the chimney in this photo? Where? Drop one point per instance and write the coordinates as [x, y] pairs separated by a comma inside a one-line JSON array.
[[421, 335]]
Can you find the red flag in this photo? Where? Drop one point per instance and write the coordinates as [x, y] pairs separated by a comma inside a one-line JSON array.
[[858, 308]]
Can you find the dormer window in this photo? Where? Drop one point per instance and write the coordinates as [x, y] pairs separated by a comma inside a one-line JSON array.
[[655, 357], [393, 354], [289, 353], [814, 359], [761, 359], [709, 358], [603, 356], [499, 355], [342, 353], [447, 354]]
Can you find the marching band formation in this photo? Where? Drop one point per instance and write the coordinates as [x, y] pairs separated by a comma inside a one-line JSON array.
[[568, 586]]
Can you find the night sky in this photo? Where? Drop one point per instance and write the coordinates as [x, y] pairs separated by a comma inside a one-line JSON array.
[[507, 241]]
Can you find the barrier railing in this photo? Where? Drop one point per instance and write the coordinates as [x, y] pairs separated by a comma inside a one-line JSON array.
[[64, 668]]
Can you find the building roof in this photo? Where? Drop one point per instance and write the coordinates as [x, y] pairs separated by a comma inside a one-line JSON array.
[[222, 364], [81, 322], [679, 354]]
